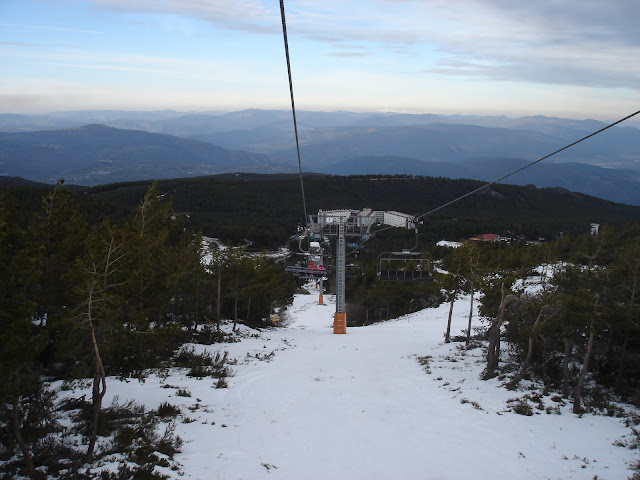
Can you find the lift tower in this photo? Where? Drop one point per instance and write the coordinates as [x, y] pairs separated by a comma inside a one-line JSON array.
[[350, 223]]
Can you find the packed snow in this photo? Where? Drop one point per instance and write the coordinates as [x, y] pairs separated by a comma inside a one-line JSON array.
[[387, 401], [446, 243]]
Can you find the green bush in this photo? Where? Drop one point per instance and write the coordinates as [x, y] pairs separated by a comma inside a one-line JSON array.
[[165, 410], [521, 407], [203, 364]]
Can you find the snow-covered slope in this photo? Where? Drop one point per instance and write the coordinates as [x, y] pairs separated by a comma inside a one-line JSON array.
[[307, 404]]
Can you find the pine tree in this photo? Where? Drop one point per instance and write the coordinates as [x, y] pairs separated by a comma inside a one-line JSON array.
[[95, 276], [627, 291], [21, 341], [58, 230]]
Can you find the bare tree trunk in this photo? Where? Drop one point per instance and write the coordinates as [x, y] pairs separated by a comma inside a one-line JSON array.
[[99, 389], [493, 351], [577, 392], [470, 316], [623, 354], [545, 349], [17, 432], [218, 302], [248, 310], [235, 313], [447, 335], [625, 345], [565, 368], [525, 366], [99, 385], [195, 320]]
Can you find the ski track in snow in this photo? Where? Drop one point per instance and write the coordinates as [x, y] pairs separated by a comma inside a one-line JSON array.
[[306, 404]]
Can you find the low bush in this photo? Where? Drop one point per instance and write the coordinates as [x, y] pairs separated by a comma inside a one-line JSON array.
[[203, 364], [167, 410]]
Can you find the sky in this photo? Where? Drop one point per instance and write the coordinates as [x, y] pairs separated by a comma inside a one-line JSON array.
[[571, 58]]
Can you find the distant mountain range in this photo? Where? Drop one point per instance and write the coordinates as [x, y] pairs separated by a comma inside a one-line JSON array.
[[616, 148], [619, 185], [166, 144], [96, 154]]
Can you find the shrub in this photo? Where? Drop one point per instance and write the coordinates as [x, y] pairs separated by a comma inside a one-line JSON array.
[[221, 383], [141, 444], [203, 364], [183, 392], [111, 418], [165, 410], [521, 407], [425, 361]]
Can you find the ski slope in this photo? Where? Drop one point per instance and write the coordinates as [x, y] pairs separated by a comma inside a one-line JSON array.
[[307, 404]]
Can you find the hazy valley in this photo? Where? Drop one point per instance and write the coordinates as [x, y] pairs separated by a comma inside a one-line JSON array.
[[125, 146]]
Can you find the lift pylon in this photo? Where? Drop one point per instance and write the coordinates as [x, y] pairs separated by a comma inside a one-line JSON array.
[[340, 317], [350, 223], [312, 268]]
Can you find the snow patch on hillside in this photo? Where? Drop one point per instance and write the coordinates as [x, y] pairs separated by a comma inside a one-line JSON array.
[[387, 401]]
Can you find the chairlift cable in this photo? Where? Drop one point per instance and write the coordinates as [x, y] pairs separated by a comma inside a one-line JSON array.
[[295, 126], [526, 166], [293, 107], [518, 170]]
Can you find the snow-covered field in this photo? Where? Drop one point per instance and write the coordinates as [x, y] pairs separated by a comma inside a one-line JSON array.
[[307, 404]]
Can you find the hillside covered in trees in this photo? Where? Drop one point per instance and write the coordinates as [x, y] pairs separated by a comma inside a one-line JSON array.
[[266, 209], [113, 281], [91, 300]]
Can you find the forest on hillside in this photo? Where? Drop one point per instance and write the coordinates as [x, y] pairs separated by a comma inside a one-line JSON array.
[[113, 281], [582, 321], [83, 300], [266, 209]]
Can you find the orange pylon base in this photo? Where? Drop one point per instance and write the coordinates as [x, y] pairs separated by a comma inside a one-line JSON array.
[[340, 322], [320, 300]]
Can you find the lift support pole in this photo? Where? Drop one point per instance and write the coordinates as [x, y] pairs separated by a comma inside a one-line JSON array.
[[320, 297], [349, 223], [340, 317], [321, 281]]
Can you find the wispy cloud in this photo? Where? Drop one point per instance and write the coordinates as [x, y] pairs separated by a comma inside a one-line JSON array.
[[19, 44], [168, 67], [571, 42], [414, 45], [7, 27], [347, 54], [245, 15]]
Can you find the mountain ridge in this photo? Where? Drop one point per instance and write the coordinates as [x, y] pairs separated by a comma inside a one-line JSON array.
[[94, 154], [454, 146]]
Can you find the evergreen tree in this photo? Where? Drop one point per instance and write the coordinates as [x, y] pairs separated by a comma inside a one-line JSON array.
[[21, 341], [95, 276], [58, 230], [626, 327], [240, 281], [152, 269]]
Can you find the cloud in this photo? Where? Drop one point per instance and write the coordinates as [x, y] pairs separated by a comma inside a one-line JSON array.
[[168, 67], [8, 27], [244, 15], [19, 44], [20, 102], [585, 43], [347, 54], [549, 71], [573, 42]]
